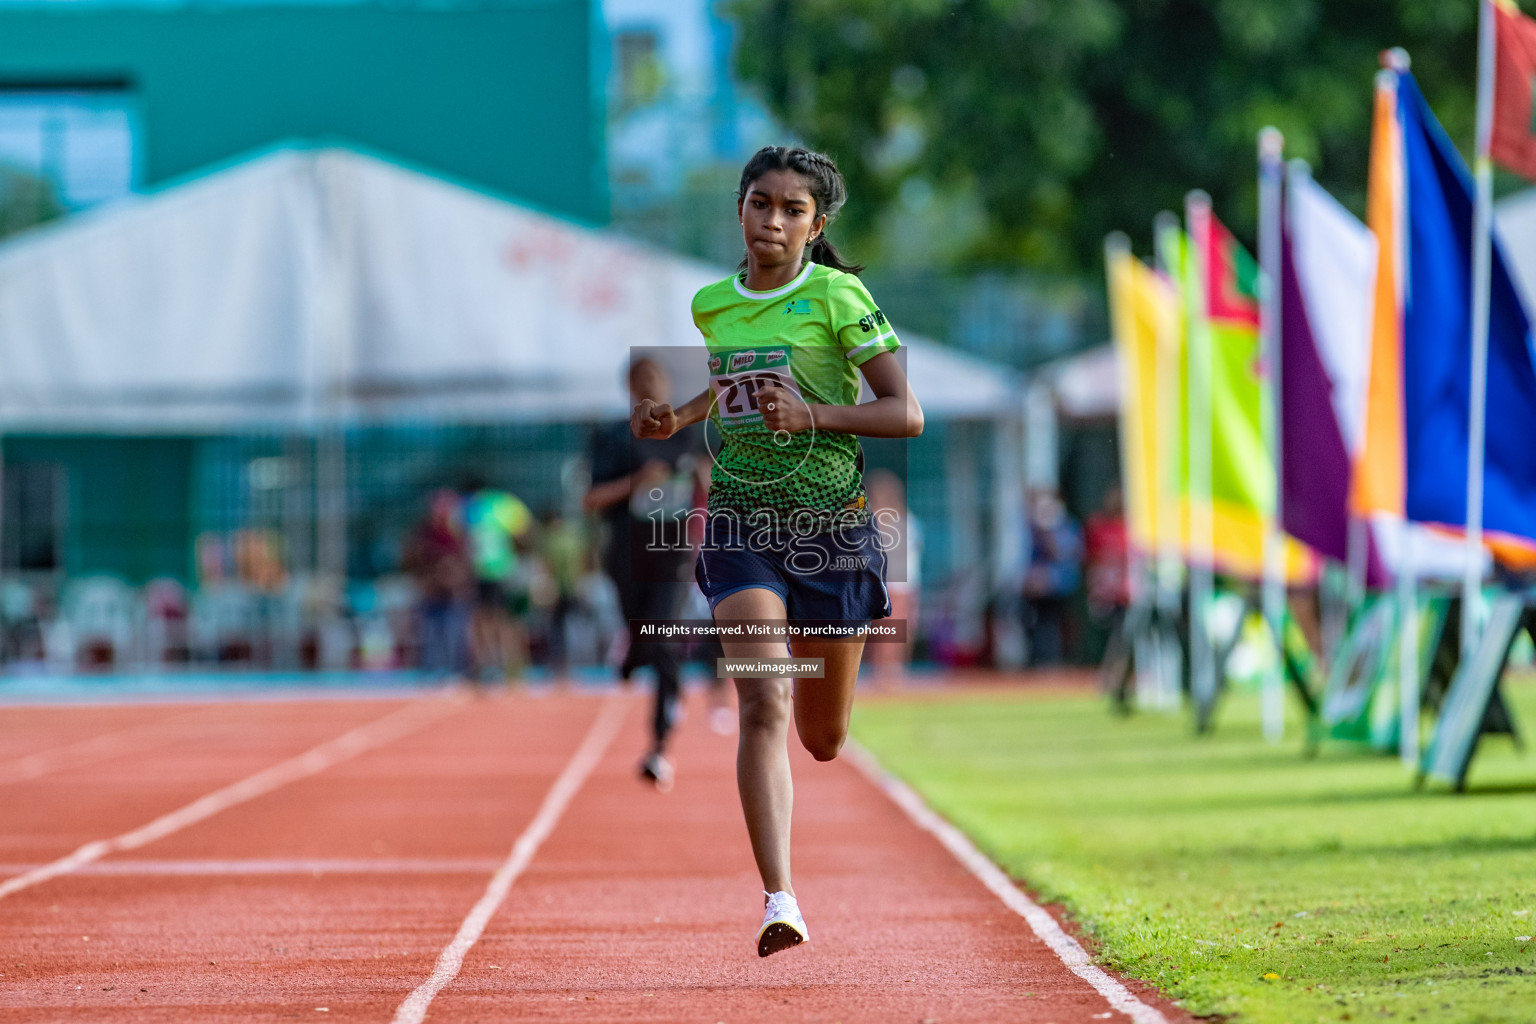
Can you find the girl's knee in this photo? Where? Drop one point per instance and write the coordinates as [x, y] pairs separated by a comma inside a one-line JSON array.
[[824, 744], [764, 707]]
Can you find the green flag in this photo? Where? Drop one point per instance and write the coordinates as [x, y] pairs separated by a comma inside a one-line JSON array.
[[1229, 465]]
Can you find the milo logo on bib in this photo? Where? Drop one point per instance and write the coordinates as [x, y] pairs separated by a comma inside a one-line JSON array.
[[748, 370]]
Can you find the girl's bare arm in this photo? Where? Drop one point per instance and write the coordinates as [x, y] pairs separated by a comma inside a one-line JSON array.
[[660, 421], [895, 411]]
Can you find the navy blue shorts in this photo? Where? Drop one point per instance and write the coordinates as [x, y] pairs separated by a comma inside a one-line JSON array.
[[836, 576]]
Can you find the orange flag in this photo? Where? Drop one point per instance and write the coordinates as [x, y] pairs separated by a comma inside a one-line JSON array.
[[1379, 475]]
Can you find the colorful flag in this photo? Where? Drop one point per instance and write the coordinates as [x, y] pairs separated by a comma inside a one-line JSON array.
[[1144, 313], [1226, 395], [1328, 275], [1421, 211], [1514, 90], [1377, 485], [1225, 305]]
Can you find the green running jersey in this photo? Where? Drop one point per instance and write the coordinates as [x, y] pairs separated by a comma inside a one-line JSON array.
[[810, 336]]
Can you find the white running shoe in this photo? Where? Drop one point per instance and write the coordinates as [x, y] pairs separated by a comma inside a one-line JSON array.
[[783, 927], [658, 771]]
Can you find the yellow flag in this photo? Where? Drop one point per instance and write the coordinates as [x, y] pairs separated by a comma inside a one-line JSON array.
[[1150, 328], [1144, 307]]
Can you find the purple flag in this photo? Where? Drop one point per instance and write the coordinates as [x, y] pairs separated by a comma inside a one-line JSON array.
[[1327, 270]]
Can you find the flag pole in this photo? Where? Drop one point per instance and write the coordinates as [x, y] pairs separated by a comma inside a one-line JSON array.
[[1408, 649], [1482, 220], [1117, 246], [1202, 583], [1395, 62], [1271, 152], [1170, 567], [1357, 566]]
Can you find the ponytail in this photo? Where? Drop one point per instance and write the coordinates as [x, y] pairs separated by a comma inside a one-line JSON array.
[[824, 252], [825, 183]]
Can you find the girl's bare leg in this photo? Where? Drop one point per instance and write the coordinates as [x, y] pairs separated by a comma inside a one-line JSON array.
[[823, 706], [762, 754], [821, 709]]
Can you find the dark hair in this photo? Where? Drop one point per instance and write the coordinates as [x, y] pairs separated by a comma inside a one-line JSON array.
[[826, 186]]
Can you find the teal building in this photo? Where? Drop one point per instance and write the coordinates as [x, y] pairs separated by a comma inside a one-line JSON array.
[[503, 94], [107, 97]]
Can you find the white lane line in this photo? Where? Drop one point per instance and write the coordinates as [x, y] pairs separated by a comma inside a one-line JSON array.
[[414, 1009], [392, 726], [277, 866], [97, 748], [1068, 949]]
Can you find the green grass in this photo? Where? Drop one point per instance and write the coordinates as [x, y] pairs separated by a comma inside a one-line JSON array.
[[1241, 878]]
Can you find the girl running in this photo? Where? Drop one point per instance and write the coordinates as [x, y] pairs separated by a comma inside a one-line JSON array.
[[788, 537]]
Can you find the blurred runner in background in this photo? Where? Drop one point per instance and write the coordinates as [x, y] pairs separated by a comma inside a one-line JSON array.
[[438, 560], [635, 485], [495, 521]]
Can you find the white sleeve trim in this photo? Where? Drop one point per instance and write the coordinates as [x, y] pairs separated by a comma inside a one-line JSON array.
[[873, 341]]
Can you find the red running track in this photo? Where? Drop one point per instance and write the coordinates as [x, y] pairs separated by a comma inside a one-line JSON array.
[[331, 894]]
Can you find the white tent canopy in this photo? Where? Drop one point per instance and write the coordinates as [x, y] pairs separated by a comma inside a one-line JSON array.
[[320, 284], [1086, 385]]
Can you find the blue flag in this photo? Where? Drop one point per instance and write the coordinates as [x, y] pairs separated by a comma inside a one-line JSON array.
[[1437, 328]]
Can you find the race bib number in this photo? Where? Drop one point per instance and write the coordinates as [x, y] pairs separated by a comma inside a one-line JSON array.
[[736, 377]]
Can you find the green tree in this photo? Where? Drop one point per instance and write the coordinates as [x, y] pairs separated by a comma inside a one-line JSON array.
[[25, 201], [1061, 120]]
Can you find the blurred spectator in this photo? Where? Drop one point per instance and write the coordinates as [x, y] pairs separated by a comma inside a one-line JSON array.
[[98, 613], [166, 611], [438, 559], [494, 522], [212, 558], [1108, 554], [22, 614], [1055, 569], [636, 485], [888, 504], [258, 559]]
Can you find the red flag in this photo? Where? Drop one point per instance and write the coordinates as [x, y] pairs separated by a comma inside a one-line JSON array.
[[1232, 278], [1514, 91]]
